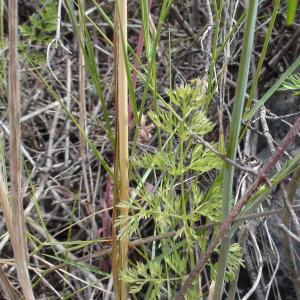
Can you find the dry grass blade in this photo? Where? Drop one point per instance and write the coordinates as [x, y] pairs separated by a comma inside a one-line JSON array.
[[120, 260], [8, 289], [6, 208], [20, 252]]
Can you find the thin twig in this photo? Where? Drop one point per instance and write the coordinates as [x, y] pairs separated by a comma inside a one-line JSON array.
[[287, 231], [179, 18], [271, 262], [51, 140], [260, 265], [24, 151], [289, 207]]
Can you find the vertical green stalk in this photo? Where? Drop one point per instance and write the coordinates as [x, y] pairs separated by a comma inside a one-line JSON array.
[[146, 29], [82, 101], [234, 136], [291, 13]]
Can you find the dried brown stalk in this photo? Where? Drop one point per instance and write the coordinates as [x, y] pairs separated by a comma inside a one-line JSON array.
[[120, 244], [20, 250]]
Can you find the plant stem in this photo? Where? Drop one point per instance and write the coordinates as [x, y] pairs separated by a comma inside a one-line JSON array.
[[120, 244], [82, 104], [233, 139], [20, 250]]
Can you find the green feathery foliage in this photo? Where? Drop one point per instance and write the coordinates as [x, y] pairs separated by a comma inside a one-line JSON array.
[[179, 202], [38, 31]]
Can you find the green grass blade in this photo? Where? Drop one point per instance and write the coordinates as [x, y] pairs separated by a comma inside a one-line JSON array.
[[291, 13], [146, 29], [233, 139]]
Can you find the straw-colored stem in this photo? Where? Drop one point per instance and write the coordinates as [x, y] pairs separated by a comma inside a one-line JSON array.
[[20, 252], [6, 209], [8, 289], [121, 157]]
